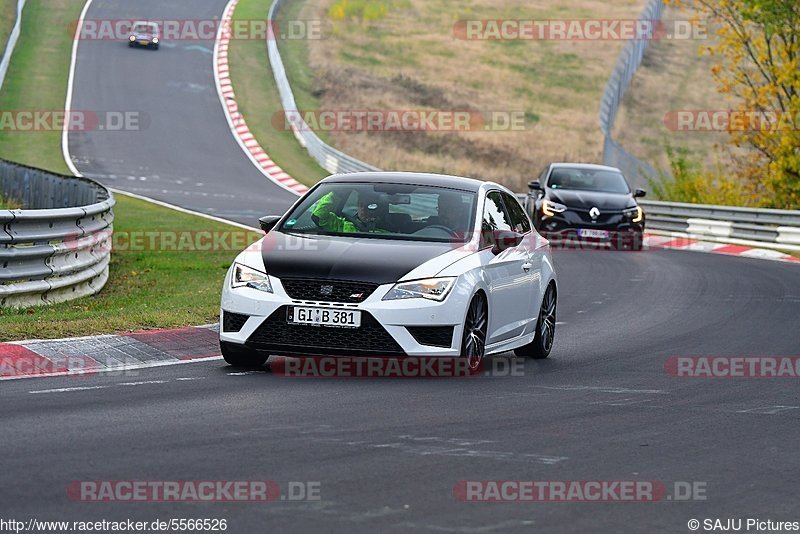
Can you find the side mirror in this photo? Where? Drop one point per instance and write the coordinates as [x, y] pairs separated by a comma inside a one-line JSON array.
[[268, 223], [534, 185], [639, 193], [504, 239]]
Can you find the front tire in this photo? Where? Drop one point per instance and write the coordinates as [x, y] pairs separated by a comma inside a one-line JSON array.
[[542, 343], [473, 340], [238, 356]]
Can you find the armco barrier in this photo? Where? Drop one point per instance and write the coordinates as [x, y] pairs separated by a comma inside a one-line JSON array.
[[330, 159], [58, 246], [767, 228]]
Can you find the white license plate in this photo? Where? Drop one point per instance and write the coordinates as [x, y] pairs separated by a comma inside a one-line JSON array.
[[325, 317], [589, 232]]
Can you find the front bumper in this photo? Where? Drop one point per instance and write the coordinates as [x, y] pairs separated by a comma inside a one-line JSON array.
[[258, 321], [145, 43], [566, 225]]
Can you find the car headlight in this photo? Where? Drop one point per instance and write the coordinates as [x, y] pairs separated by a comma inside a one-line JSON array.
[[550, 208], [429, 288], [634, 214], [155, 39], [244, 276], [132, 38]]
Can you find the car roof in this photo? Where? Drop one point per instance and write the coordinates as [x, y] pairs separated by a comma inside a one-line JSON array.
[[415, 178], [592, 166], [145, 23]]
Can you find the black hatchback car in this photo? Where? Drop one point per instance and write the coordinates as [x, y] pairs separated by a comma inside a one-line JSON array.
[[590, 203]]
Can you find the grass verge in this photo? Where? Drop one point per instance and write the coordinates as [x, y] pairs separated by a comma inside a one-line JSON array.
[[8, 12], [7, 203], [37, 80], [146, 289], [259, 101]]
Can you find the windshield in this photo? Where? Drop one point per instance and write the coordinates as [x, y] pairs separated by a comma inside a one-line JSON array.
[[144, 28], [385, 211], [588, 180]]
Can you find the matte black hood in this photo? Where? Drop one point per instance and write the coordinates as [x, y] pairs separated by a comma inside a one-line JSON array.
[[589, 199], [345, 258]]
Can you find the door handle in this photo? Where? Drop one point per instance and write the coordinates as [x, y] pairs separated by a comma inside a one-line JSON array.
[[527, 266]]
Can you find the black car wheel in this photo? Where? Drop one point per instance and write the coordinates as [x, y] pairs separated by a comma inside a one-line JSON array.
[[542, 342], [473, 340], [240, 357]]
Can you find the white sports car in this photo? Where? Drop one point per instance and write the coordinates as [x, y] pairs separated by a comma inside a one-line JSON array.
[[392, 264]]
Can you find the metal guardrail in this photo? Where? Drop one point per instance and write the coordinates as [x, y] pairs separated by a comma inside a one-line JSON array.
[[58, 246], [775, 228], [757, 226], [330, 159], [628, 62]]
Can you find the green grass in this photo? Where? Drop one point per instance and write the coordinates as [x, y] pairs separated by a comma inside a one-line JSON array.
[[146, 289], [259, 101], [8, 12], [37, 80], [7, 203]]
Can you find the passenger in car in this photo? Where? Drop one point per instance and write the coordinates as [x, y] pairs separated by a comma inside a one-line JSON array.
[[369, 216]]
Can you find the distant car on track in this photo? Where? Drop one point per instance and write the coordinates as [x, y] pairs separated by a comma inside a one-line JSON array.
[[144, 34], [592, 203], [393, 264]]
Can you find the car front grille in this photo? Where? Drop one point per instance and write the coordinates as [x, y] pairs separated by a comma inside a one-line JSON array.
[[280, 337], [608, 217], [233, 322], [434, 336], [327, 290]]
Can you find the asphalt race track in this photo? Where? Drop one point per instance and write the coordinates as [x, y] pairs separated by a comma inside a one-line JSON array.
[[388, 452], [183, 151]]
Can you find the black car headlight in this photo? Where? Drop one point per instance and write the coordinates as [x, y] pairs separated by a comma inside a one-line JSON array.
[[635, 214], [550, 208]]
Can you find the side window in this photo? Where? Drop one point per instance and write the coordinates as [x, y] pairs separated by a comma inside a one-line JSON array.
[[519, 221], [494, 217]]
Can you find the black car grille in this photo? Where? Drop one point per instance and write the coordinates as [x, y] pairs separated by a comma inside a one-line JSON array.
[[435, 336], [327, 290], [283, 338], [607, 217], [233, 322]]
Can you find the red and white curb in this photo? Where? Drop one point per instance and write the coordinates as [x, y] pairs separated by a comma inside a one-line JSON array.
[[236, 121], [95, 354], [688, 243]]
